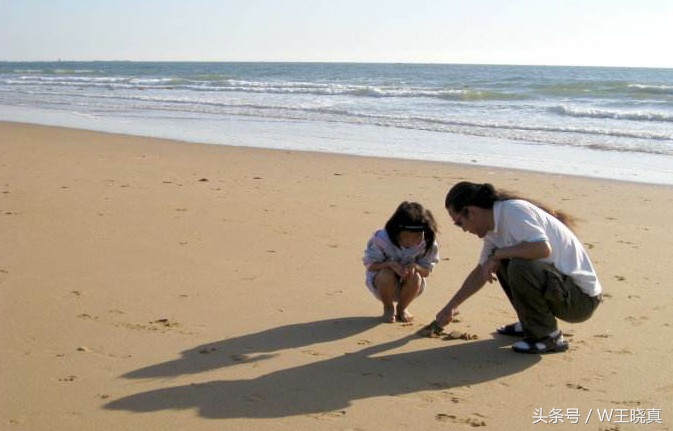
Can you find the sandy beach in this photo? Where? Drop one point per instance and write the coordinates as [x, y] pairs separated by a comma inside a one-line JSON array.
[[149, 284]]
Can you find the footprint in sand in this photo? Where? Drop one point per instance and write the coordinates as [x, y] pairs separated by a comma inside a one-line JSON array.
[[632, 244], [619, 352], [667, 388], [636, 321], [165, 323], [602, 336], [631, 403], [160, 325], [68, 379], [312, 353], [329, 415], [576, 386], [450, 397], [475, 422]]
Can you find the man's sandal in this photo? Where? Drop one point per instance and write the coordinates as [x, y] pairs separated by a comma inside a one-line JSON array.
[[540, 346], [513, 329]]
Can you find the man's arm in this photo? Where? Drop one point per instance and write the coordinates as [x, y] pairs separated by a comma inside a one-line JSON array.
[[524, 250], [472, 284]]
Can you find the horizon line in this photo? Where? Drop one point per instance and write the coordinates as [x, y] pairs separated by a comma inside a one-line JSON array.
[[420, 63]]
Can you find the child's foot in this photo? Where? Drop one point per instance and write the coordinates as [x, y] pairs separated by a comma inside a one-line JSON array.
[[388, 314], [404, 316]]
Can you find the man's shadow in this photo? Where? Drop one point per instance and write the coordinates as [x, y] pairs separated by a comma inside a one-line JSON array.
[[329, 385], [256, 347]]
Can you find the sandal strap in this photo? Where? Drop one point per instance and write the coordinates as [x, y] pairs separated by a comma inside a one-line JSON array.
[[541, 345], [515, 329]]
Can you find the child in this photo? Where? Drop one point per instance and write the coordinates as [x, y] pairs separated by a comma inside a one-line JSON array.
[[399, 258]]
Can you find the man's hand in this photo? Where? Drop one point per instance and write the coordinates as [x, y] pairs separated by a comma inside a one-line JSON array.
[[446, 315], [489, 269]]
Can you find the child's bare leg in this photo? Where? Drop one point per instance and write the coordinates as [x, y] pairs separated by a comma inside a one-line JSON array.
[[409, 292], [386, 283]]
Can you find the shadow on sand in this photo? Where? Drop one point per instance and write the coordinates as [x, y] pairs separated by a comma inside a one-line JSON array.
[[256, 347], [322, 386]]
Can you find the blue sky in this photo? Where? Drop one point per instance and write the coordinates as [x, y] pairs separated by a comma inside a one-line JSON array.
[[561, 32]]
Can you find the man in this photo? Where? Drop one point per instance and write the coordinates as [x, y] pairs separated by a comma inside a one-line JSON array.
[[542, 266]]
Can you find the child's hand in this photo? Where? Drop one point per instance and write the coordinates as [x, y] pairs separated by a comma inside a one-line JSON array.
[[399, 269], [409, 271]]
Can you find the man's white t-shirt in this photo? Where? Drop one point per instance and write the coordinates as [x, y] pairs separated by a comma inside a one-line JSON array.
[[518, 221]]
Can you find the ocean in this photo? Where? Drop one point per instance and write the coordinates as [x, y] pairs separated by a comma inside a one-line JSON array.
[[614, 123]]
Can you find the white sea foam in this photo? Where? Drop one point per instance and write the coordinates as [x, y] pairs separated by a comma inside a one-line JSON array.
[[656, 89], [617, 137], [611, 111], [614, 114], [231, 85]]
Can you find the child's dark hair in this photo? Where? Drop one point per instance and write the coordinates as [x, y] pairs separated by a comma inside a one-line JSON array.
[[466, 194], [412, 217]]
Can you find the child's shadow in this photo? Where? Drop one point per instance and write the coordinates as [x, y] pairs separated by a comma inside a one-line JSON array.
[[255, 347], [332, 384]]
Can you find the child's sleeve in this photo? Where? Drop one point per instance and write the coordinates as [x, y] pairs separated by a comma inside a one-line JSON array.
[[429, 259], [373, 253]]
